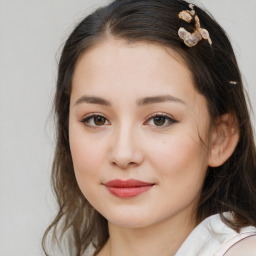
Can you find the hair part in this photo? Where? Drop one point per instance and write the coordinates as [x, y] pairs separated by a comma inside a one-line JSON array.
[[229, 187]]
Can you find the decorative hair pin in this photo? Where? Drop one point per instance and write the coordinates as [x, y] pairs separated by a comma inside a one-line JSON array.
[[191, 39], [233, 82]]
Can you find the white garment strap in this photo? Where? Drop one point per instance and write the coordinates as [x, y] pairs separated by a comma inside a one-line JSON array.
[[231, 242]]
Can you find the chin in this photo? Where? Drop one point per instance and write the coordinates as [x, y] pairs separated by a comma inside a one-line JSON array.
[[130, 219], [129, 223]]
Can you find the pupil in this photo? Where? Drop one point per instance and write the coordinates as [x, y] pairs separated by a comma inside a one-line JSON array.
[[99, 120], [159, 120]]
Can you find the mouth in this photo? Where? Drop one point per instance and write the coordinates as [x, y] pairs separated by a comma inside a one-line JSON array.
[[127, 188]]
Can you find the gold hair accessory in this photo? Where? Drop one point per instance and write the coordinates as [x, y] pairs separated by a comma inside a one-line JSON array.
[[191, 39]]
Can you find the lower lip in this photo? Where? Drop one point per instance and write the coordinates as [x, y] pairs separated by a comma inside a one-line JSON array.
[[128, 192]]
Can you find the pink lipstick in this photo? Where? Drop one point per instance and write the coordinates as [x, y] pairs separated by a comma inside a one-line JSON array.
[[128, 188]]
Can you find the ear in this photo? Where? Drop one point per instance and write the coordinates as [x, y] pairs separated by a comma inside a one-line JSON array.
[[224, 138]]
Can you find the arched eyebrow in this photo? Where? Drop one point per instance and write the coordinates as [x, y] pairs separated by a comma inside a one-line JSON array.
[[158, 99], [140, 102], [92, 100]]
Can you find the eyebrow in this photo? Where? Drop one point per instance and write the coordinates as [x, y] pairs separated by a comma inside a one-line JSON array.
[[158, 99], [92, 100], [140, 102]]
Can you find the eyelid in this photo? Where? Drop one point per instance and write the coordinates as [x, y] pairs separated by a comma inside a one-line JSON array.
[[92, 115], [171, 119], [148, 118]]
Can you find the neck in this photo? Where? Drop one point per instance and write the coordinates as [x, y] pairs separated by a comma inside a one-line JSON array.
[[163, 238]]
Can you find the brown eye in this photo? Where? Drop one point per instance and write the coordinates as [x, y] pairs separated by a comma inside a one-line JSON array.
[[99, 120], [95, 120], [159, 120]]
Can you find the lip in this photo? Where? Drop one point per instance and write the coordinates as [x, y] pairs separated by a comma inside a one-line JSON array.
[[127, 188]]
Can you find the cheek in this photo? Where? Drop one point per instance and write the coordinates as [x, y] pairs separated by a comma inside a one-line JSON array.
[[88, 154], [84, 155], [181, 168], [180, 162]]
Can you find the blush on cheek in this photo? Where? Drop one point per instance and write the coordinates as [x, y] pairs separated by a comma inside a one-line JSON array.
[[179, 155], [84, 147], [84, 157]]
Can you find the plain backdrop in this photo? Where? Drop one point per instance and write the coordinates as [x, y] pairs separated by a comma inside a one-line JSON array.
[[32, 33]]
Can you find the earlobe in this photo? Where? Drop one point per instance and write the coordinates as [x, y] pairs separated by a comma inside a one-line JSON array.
[[224, 139]]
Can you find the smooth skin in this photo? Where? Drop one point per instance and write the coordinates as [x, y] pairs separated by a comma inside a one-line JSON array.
[[135, 114]]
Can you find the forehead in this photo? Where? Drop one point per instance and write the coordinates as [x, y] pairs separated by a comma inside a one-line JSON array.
[[115, 67], [141, 57]]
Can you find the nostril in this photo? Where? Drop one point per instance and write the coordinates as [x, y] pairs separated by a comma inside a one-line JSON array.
[[124, 165]]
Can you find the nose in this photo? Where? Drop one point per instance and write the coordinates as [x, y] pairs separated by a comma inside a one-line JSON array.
[[125, 149]]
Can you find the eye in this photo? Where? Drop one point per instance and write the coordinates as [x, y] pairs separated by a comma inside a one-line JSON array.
[[160, 120], [95, 120]]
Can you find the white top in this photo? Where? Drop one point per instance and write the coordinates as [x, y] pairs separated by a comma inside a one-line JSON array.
[[212, 237]]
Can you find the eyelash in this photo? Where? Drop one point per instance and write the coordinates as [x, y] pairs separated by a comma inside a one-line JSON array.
[[87, 118], [166, 117], [170, 120]]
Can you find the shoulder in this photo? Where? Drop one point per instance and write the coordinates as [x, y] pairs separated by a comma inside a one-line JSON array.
[[245, 247]]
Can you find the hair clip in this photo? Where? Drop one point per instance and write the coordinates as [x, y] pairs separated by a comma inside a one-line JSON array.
[[191, 39], [233, 82]]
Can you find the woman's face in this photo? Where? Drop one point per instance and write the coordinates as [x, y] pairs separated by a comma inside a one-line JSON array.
[[136, 127]]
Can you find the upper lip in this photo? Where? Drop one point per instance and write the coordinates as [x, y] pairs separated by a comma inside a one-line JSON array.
[[127, 183]]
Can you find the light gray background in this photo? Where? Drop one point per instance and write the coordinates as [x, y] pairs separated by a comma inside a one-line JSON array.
[[31, 35]]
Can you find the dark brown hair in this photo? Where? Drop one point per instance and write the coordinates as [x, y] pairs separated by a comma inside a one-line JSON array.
[[229, 187]]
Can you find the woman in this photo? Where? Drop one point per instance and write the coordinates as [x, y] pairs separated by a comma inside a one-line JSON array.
[[155, 152]]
